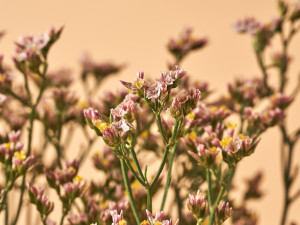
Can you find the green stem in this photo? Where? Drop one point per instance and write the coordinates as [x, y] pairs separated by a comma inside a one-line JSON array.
[[136, 163], [57, 144], [161, 166], [172, 153], [208, 179], [229, 184], [17, 97], [263, 70], [6, 213], [129, 191], [149, 200], [132, 170], [159, 124], [65, 212]]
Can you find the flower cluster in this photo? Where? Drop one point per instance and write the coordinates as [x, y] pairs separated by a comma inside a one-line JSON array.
[[33, 50], [38, 198], [185, 43], [199, 207]]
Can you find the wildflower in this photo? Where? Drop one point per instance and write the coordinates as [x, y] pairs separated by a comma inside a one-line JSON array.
[[21, 163], [128, 108], [185, 44], [198, 205], [158, 89], [234, 149], [158, 217], [59, 78], [280, 100], [248, 25], [34, 49], [78, 219], [205, 157], [184, 103], [37, 197], [57, 177], [74, 189], [223, 212], [63, 98], [117, 218], [99, 70]]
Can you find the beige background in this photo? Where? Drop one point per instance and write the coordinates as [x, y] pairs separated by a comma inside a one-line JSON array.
[[136, 32]]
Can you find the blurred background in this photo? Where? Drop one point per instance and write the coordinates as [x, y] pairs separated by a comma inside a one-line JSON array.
[[136, 33]]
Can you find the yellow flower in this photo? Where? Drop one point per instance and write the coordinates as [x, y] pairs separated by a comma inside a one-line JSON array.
[[145, 222], [102, 126], [82, 104], [139, 84], [226, 141], [20, 155], [201, 194], [72, 169], [157, 223], [123, 222], [2, 77], [192, 135], [7, 145], [243, 137], [213, 149], [105, 162], [103, 204], [78, 178], [231, 125], [213, 109], [145, 134], [224, 108], [191, 116]]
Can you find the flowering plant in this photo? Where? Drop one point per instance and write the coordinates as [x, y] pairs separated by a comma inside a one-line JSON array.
[[148, 128]]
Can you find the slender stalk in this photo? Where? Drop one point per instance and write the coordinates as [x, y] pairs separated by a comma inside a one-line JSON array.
[[159, 124], [129, 191], [161, 166], [208, 179], [65, 212], [133, 172], [136, 163], [263, 69], [57, 144], [6, 212], [32, 117], [171, 158], [149, 199], [17, 97]]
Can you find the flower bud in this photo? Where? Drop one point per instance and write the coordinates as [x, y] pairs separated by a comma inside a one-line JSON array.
[[197, 205], [223, 212]]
